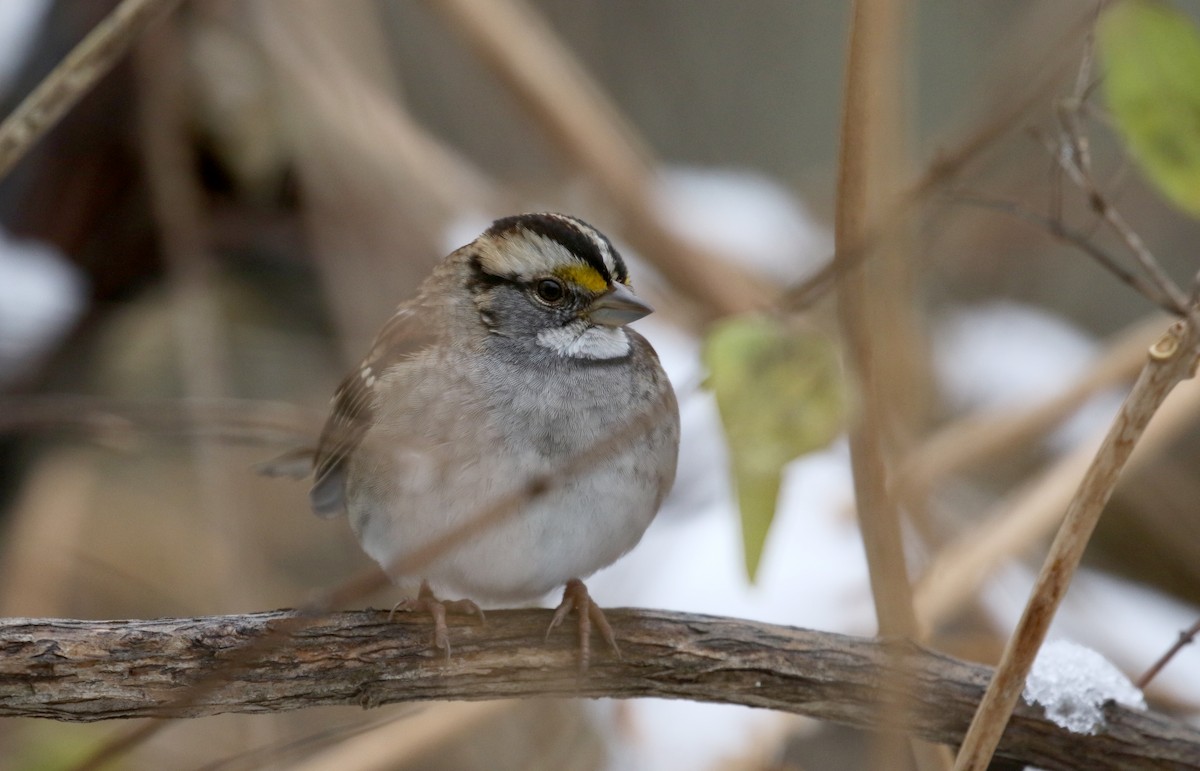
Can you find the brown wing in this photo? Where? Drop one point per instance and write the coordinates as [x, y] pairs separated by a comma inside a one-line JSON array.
[[354, 406]]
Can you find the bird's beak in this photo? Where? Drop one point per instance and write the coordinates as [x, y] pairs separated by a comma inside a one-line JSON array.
[[617, 307]]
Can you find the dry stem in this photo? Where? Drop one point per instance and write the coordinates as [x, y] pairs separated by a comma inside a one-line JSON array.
[[244, 421], [878, 514], [866, 121]]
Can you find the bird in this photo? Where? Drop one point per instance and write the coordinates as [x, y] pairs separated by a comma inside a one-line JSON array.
[[513, 362]]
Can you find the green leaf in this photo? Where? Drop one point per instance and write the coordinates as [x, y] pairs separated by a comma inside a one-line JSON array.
[[1151, 57], [780, 395], [46, 745]]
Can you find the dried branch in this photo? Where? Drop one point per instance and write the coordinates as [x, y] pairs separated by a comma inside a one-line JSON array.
[[379, 189], [1071, 151], [878, 514], [89, 61], [1185, 638], [1172, 360], [96, 670]]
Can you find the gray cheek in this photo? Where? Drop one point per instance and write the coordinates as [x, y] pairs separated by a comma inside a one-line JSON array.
[[512, 310]]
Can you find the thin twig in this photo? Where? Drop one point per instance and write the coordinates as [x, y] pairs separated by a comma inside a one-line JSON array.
[[274, 754], [87, 63], [1078, 239], [1071, 152], [95, 670], [1185, 638], [1172, 360]]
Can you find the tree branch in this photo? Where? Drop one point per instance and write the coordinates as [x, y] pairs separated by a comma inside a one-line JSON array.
[[87, 63], [96, 670]]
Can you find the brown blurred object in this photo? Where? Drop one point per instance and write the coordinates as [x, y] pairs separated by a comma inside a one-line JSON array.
[[43, 535]]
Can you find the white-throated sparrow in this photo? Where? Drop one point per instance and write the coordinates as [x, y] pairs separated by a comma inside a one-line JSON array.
[[513, 358]]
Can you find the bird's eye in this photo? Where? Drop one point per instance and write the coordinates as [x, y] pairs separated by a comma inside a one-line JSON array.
[[551, 290]]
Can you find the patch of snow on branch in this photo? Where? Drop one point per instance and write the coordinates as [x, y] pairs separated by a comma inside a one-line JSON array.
[[1073, 683]]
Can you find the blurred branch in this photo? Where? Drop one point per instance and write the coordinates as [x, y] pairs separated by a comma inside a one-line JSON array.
[[120, 421], [877, 512], [868, 120], [379, 190], [976, 438], [78, 670], [197, 326], [69, 81], [571, 109], [1023, 519]]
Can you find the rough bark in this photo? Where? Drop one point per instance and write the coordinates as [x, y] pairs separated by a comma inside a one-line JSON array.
[[97, 670]]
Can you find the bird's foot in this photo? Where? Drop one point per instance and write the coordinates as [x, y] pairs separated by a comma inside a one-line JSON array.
[[576, 598], [427, 602]]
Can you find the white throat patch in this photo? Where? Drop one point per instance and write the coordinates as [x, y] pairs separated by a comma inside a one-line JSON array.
[[579, 340]]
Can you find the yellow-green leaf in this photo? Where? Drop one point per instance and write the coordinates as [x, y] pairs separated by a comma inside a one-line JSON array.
[[780, 395], [1151, 57]]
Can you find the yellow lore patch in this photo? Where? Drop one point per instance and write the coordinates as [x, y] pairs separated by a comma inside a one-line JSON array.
[[583, 275]]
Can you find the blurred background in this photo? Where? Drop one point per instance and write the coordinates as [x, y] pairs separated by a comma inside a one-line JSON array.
[[191, 260]]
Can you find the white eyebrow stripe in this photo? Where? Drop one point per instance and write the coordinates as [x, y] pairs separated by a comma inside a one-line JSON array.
[[525, 256], [606, 254], [602, 245]]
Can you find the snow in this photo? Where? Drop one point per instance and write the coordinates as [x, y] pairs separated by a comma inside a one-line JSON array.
[[18, 18], [1007, 355], [1073, 683], [1150, 624], [41, 294], [744, 214]]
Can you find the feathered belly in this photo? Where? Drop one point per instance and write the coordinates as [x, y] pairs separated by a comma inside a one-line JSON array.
[[488, 534]]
